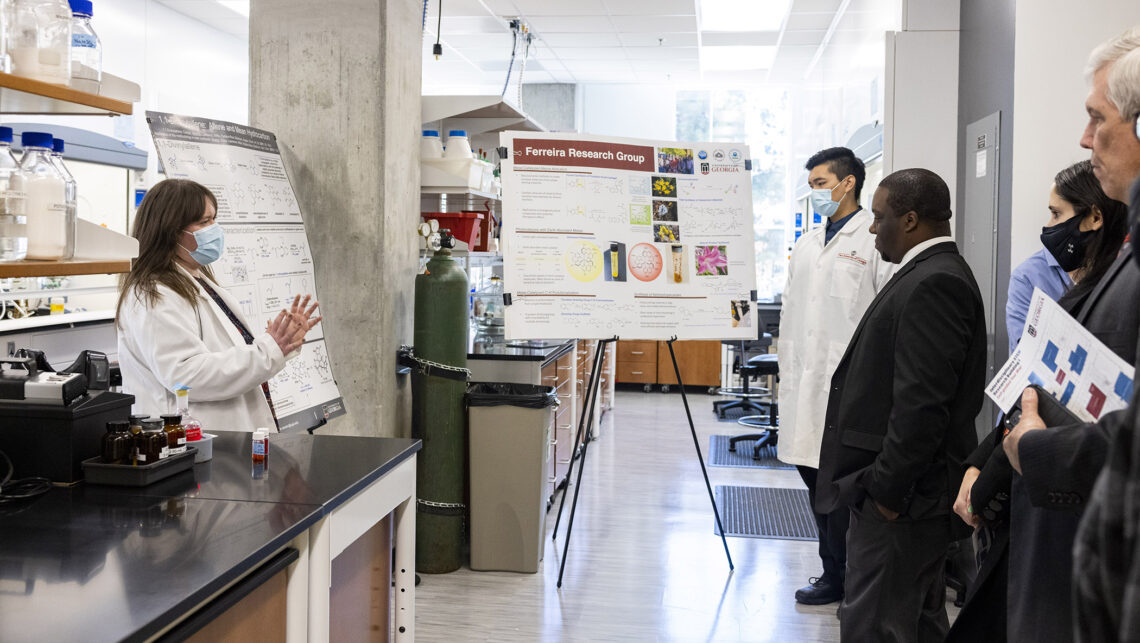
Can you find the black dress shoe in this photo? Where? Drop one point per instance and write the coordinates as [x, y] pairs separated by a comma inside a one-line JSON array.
[[821, 592]]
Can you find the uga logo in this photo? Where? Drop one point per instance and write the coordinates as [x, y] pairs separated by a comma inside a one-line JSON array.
[[704, 168]]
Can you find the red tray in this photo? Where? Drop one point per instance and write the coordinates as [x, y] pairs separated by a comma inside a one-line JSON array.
[[463, 225]]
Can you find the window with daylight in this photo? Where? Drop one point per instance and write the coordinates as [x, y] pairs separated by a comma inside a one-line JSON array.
[[758, 118]]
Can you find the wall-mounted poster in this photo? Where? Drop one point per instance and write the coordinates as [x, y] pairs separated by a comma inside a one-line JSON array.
[[606, 237]]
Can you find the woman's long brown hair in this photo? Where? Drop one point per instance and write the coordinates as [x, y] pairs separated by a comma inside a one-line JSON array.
[[167, 209]]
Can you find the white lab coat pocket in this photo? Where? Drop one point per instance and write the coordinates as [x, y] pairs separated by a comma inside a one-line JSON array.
[[846, 280]]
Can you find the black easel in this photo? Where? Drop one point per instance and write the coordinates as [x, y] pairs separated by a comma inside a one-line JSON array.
[[697, 446], [586, 422]]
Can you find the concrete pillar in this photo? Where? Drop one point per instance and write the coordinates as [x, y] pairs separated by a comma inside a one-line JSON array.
[[554, 105], [338, 81]]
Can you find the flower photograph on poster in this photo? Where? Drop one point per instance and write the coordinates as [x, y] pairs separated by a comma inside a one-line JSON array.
[[666, 233], [664, 186], [712, 261]]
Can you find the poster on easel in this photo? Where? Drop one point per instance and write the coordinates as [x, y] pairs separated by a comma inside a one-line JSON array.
[[606, 237], [267, 260]]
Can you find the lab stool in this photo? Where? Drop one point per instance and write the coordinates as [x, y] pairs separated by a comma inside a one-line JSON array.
[[761, 366], [755, 367]]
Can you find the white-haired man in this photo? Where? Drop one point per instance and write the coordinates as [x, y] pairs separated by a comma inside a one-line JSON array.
[[1058, 467]]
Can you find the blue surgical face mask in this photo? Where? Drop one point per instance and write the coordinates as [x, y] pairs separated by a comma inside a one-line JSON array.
[[211, 242], [822, 203]]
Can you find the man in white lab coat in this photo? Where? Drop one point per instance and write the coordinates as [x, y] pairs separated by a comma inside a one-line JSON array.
[[833, 275]]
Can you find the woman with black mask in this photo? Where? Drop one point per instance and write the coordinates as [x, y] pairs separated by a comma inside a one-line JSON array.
[[1085, 233], [1088, 233]]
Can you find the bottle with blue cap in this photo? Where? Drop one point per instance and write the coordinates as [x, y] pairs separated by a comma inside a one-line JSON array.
[[70, 191], [39, 40], [46, 208], [430, 145], [13, 223], [86, 49], [458, 147]]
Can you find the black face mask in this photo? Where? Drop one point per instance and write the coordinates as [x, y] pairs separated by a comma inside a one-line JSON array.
[[1066, 243]]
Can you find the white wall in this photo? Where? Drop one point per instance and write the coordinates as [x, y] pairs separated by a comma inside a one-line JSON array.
[[183, 66], [633, 111], [1051, 45], [921, 104]]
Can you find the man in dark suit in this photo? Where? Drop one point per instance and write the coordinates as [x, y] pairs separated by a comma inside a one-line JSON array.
[[900, 418]]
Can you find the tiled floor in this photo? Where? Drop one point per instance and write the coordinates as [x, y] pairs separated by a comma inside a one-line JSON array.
[[643, 564]]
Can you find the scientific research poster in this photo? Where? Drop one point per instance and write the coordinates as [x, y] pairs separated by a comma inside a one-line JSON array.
[[606, 237], [267, 260]]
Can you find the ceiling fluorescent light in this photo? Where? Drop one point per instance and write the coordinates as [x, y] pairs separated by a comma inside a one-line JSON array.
[[240, 7], [736, 58], [739, 38], [743, 15]]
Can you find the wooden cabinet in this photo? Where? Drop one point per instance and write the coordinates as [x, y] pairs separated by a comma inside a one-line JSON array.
[[587, 350], [698, 361], [648, 362], [609, 372], [637, 362], [561, 374]]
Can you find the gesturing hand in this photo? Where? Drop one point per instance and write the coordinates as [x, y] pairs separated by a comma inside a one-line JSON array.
[[280, 329], [301, 317], [1030, 421]]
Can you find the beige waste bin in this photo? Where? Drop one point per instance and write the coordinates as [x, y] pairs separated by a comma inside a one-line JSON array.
[[509, 464]]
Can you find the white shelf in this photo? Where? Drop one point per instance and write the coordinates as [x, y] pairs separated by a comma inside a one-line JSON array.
[[476, 114], [10, 295], [19, 95], [65, 268], [41, 321], [459, 192]]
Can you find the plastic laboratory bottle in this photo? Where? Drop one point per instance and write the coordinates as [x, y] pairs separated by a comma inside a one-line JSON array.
[[71, 194], [458, 147], [39, 40], [46, 208], [7, 11], [430, 145], [86, 50], [190, 425], [13, 222]]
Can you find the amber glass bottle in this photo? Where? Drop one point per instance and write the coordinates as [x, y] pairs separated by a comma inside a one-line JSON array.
[[175, 434]]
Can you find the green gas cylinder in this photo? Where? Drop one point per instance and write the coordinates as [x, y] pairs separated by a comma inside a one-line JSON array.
[[438, 416]]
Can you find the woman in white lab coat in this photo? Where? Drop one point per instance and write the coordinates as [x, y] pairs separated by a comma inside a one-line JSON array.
[[177, 326]]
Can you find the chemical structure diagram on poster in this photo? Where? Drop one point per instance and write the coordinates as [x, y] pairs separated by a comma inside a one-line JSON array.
[[607, 237], [1059, 355], [241, 166], [266, 260]]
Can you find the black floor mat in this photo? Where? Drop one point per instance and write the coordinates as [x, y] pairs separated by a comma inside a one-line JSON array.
[[720, 456], [765, 512]]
